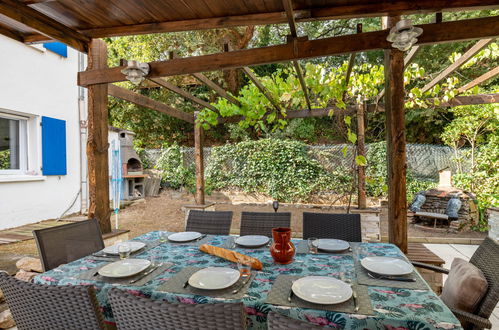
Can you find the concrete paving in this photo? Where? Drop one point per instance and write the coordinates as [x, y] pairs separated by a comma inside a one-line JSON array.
[[450, 251]]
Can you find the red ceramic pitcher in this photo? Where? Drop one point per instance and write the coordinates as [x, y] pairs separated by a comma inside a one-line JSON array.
[[282, 250]]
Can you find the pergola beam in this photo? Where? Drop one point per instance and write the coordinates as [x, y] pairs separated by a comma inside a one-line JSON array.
[[219, 90], [51, 28], [13, 34], [458, 63], [340, 11], [181, 92], [288, 7], [477, 81], [262, 88], [433, 33], [146, 102]]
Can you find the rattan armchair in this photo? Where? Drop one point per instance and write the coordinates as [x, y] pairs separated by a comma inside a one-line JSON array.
[[261, 223], [38, 306], [209, 222], [62, 244], [276, 321], [332, 225], [133, 312], [486, 258]]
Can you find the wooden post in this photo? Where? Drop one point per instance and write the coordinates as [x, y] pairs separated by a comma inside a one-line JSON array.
[[361, 151], [198, 150], [97, 142], [396, 145]]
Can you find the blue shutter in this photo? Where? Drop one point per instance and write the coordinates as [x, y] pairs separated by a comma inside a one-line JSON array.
[[53, 146], [57, 47]]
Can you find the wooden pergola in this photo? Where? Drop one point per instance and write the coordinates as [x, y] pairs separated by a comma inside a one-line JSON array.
[[79, 24]]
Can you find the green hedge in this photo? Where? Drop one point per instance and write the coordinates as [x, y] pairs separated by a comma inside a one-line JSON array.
[[283, 169]]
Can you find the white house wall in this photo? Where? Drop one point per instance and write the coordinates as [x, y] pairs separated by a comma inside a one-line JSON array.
[[39, 83]]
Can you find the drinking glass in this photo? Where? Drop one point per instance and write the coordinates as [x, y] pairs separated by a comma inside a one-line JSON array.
[[244, 266], [312, 245], [124, 250], [163, 237]]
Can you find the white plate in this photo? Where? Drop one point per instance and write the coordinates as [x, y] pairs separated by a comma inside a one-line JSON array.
[[322, 290], [185, 236], [252, 240], [387, 266], [331, 245], [134, 246], [124, 268], [214, 278]]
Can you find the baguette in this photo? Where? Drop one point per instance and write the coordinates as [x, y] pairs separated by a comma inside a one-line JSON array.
[[230, 255]]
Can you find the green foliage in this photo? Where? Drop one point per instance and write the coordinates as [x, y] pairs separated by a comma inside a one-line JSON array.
[[175, 173], [5, 159], [280, 168]]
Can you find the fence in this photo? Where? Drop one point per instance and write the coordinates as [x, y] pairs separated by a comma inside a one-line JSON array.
[[423, 160]]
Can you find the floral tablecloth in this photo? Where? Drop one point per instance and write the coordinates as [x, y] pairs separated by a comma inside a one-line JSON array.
[[394, 308]]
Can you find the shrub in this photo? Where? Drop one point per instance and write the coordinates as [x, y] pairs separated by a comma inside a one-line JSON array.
[[5, 159]]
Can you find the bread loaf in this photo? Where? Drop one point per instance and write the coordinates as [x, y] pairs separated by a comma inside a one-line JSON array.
[[230, 255]]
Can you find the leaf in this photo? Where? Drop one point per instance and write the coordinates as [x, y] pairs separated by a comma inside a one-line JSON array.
[[285, 97], [344, 150], [352, 137], [348, 120], [361, 160]]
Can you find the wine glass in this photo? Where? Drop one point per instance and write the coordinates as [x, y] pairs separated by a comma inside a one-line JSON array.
[[244, 266]]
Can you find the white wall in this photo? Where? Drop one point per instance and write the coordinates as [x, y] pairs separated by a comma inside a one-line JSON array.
[[39, 83]]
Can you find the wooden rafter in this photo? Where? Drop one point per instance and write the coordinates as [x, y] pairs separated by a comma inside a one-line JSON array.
[[219, 90], [434, 33], [407, 60], [51, 28], [262, 88], [181, 92], [458, 63], [288, 7], [13, 34], [341, 11], [146, 102], [477, 81]]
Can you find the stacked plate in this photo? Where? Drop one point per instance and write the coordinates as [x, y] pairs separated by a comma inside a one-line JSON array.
[[252, 241], [185, 236], [322, 290], [387, 266], [134, 247], [214, 278], [331, 245], [124, 268]]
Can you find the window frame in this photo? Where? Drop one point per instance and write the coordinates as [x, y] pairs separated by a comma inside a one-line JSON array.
[[23, 143]]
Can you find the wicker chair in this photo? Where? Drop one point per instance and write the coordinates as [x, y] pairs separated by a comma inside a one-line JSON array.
[[261, 223], [62, 244], [486, 258], [276, 321], [38, 306], [133, 312], [331, 225], [209, 222]]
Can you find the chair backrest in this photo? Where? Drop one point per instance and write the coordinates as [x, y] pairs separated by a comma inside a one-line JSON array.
[[276, 321], [38, 306], [486, 258], [62, 244], [261, 223], [330, 225], [209, 222], [134, 312]]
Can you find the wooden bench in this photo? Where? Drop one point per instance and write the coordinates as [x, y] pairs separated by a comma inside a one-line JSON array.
[[418, 252], [433, 215]]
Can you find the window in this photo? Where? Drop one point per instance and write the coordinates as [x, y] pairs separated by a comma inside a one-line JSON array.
[[13, 144]]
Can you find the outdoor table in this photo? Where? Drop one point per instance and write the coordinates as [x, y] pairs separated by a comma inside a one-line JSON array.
[[394, 308]]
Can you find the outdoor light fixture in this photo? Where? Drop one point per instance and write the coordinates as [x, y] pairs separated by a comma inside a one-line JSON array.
[[403, 35], [136, 71]]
